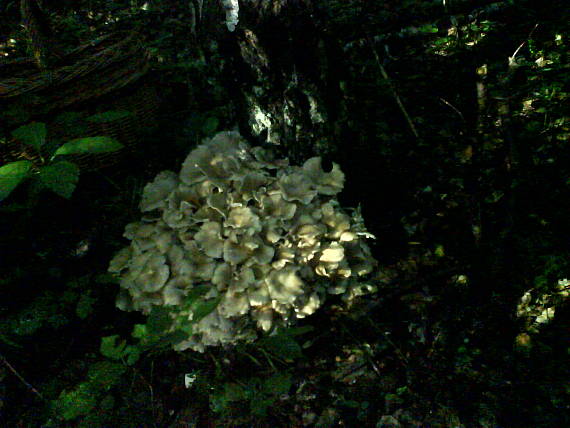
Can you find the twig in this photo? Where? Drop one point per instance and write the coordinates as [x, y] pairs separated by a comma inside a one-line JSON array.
[[393, 89], [19, 376], [512, 58], [455, 109]]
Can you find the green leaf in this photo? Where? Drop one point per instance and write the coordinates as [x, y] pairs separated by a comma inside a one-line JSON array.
[[195, 293], [60, 177], [83, 400], [428, 28], [139, 331], [115, 349], [173, 338], [11, 175], [202, 308], [159, 321], [99, 144], [278, 384], [33, 134], [111, 349], [133, 354], [75, 403], [109, 116], [282, 345]]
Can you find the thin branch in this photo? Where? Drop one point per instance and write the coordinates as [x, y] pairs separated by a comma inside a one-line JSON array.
[[393, 89], [455, 109], [513, 56], [19, 376]]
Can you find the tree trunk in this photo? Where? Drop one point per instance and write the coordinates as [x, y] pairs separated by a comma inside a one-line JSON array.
[[284, 74]]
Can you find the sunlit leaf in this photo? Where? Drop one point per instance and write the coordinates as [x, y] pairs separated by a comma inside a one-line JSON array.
[[32, 134], [112, 347], [139, 331], [99, 144], [11, 175]]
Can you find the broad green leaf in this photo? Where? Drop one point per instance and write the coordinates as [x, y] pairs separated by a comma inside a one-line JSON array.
[[99, 144], [112, 348], [60, 177], [133, 354], [77, 402], [139, 331], [202, 308], [282, 345], [428, 28], [33, 134], [109, 116], [173, 338], [194, 295], [159, 321], [11, 175]]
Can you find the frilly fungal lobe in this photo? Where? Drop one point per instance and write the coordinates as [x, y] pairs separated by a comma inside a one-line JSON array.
[[268, 241]]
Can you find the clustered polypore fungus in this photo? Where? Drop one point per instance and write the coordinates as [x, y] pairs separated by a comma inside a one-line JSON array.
[[266, 239]]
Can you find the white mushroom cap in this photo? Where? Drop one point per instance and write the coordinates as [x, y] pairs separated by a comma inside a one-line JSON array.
[[155, 194], [296, 187], [209, 238], [284, 285], [326, 183]]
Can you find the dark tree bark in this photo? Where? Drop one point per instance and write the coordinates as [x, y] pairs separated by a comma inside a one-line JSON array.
[[283, 74]]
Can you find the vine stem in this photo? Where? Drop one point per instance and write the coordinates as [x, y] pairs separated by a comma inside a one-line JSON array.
[[19, 376]]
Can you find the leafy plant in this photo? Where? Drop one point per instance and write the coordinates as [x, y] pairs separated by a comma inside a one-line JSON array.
[[54, 173], [256, 393], [83, 399]]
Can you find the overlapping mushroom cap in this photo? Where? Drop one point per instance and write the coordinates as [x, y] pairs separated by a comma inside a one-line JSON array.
[[267, 240]]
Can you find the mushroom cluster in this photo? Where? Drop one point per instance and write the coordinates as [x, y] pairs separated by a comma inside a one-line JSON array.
[[263, 240]]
